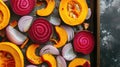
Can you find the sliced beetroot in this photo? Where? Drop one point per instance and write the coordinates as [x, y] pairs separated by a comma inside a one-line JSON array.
[[22, 7], [84, 42], [40, 31]]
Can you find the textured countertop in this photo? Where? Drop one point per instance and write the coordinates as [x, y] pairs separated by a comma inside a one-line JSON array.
[[110, 33]]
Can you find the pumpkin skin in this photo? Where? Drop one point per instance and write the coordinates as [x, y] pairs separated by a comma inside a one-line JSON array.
[[50, 59], [31, 56], [73, 12], [48, 9], [22, 7], [4, 15], [79, 62], [14, 51], [62, 37]]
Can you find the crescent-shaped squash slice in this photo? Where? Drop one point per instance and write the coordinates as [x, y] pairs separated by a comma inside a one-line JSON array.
[[73, 12], [62, 37], [31, 56], [79, 62], [7, 49], [4, 15], [50, 60], [48, 9]]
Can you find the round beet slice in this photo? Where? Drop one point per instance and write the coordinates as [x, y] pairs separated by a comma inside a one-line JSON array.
[[40, 31], [84, 42]]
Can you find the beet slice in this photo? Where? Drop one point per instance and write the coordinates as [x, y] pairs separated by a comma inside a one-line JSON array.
[[22, 7], [84, 42], [40, 31]]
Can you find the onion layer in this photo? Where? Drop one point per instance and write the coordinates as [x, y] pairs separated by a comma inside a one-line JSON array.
[[31, 66], [40, 31], [61, 62], [22, 7], [68, 52], [84, 42], [24, 23]]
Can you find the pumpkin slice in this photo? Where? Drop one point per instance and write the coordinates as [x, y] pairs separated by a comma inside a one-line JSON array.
[[79, 62], [10, 54], [62, 37], [73, 12], [31, 56], [4, 15], [50, 60], [48, 9]]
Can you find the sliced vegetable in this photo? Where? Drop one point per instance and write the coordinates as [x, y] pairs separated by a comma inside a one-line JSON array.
[[22, 7], [69, 31], [10, 55], [73, 12], [61, 62], [68, 53], [50, 60], [31, 56], [62, 37], [24, 23], [49, 49], [31, 66], [48, 9], [55, 20], [79, 62], [4, 15]]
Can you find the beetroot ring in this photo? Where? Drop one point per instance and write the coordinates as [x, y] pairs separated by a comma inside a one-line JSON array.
[[84, 42], [22, 7], [40, 31]]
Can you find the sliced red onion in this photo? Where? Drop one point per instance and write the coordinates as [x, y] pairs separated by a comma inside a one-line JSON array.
[[68, 53], [49, 49], [5, 0], [89, 13], [84, 42], [69, 31], [24, 23], [61, 62], [31, 66], [55, 20], [15, 36], [40, 31], [22, 7]]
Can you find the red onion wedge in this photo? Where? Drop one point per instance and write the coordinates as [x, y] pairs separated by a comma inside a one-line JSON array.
[[49, 49], [61, 62], [69, 31], [55, 20], [31, 66], [89, 13], [15, 36], [24, 23], [67, 52], [5, 0]]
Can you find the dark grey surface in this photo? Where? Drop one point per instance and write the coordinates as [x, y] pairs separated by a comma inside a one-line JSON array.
[[110, 33]]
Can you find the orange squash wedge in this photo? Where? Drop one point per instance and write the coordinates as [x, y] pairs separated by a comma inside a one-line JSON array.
[[10, 55], [73, 12], [31, 56], [50, 60], [79, 62], [62, 37], [48, 9], [4, 15]]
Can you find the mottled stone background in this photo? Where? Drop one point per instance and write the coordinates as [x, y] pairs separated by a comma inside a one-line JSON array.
[[110, 33]]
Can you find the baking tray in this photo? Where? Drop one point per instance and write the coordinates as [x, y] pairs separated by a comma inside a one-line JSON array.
[[94, 22]]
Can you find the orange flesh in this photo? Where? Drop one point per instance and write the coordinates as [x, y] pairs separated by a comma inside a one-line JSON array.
[[6, 59]]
